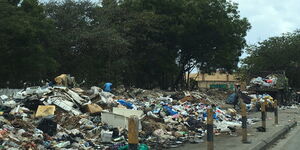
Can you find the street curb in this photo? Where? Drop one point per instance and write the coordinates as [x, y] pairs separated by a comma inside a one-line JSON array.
[[275, 136]]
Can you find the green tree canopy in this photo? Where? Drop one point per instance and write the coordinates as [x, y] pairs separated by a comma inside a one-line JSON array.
[[146, 43], [276, 53], [89, 45], [26, 53]]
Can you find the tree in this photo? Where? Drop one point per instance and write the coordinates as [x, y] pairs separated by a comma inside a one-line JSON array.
[[212, 36], [148, 30], [207, 34], [25, 35], [90, 46], [146, 43], [273, 54]]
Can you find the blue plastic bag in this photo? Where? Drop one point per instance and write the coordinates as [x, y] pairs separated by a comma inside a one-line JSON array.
[[170, 110], [124, 103], [215, 115]]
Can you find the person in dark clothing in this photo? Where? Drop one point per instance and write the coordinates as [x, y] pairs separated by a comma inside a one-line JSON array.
[[237, 93], [236, 101]]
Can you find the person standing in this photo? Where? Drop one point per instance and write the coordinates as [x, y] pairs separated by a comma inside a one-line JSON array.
[[107, 87], [237, 95]]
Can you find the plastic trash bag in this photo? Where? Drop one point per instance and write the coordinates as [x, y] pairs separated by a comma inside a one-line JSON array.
[[126, 104], [231, 99], [170, 110]]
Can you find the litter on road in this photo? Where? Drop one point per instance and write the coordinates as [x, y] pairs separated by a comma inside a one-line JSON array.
[[61, 117]]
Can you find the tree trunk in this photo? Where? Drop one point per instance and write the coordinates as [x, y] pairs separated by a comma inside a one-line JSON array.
[[179, 78]]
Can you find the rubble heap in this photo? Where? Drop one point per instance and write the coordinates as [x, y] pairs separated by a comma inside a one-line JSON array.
[[278, 81], [58, 117]]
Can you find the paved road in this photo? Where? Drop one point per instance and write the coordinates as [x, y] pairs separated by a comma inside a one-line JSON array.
[[290, 142], [227, 142]]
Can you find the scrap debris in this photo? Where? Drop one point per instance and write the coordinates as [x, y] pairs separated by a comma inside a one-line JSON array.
[[58, 117]]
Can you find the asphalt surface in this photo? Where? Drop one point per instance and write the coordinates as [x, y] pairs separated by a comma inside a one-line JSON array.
[[289, 142], [229, 142]]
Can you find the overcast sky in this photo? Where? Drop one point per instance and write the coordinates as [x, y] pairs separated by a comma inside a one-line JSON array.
[[269, 17]]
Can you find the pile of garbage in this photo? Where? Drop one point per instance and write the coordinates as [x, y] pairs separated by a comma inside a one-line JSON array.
[[58, 117], [258, 99], [265, 82], [270, 81]]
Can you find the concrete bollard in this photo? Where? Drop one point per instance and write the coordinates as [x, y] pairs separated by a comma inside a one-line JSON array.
[[133, 132], [244, 123], [276, 112], [263, 114], [210, 132], [266, 105]]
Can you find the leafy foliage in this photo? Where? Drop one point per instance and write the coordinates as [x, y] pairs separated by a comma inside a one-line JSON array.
[[25, 35], [276, 53], [146, 43]]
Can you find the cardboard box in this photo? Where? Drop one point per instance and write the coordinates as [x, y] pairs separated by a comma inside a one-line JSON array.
[[44, 111], [93, 108]]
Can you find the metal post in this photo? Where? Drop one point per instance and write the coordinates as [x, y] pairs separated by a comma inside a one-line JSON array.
[[276, 111], [133, 132], [210, 143]]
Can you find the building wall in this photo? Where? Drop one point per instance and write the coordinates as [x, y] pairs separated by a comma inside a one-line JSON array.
[[216, 84], [215, 80], [213, 77]]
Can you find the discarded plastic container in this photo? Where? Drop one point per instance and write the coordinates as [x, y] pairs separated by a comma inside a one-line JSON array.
[[157, 109], [141, 147], [62, 144], [46, 144], [106, 136], [3, 97]]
